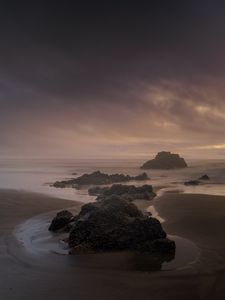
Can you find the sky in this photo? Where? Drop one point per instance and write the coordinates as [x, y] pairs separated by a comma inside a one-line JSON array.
[[105, 79]]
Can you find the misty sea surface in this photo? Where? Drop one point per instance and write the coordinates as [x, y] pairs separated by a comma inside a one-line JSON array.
[[36, 175]]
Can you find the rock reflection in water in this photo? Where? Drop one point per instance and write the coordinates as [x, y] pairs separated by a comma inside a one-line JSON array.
[[149, 262]]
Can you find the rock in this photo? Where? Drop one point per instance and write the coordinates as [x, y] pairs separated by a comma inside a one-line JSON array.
[[64, 183], [164, 245], [197, 181], [113, 204], [87, 209], [192, 182], [116, 224], [165, 160], [204, 177], [96, 190], [98, 178], [61, 221], [141, 177], [128, 192], [80, 249], [112, 224], [64, 213]]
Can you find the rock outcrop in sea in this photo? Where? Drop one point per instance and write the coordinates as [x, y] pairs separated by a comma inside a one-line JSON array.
[[197, 181], [165, 160], [204, 177], [116, 224], [98, 178], [192, 182], [127, 192]]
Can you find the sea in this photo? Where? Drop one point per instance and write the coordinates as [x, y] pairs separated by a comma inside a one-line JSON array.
[[37, 175]]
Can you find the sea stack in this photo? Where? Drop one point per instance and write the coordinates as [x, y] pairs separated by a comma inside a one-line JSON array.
[[166, 161]]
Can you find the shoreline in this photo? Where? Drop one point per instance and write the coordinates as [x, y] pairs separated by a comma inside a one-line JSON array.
[[201, 219], [186, 215], [38, 243]]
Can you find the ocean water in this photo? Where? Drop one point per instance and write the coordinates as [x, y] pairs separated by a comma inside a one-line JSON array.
[[38, 242], [36, 175]]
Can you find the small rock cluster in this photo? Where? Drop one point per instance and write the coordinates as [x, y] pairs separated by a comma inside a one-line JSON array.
[[197, 181], [127, 192], [98, 178]]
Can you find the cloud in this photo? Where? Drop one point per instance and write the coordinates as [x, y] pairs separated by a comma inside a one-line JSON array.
[[94, 81], [145, 117]]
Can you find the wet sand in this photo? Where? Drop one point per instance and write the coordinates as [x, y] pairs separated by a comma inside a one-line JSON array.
[[199, 218]]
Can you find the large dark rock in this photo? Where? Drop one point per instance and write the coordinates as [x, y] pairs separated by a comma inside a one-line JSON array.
[[96, 190], [116, 224], [98, 178], [128, 192], [163, 245], [61, 221], [165, 160]]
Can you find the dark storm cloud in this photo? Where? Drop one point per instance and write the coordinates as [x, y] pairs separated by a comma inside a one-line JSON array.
[[111, 73]]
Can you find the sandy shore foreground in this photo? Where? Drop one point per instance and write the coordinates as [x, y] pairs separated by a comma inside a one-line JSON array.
[[199, 218]]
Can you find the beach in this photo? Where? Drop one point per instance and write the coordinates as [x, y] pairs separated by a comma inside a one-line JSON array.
[[198, 218], [112, 150]]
